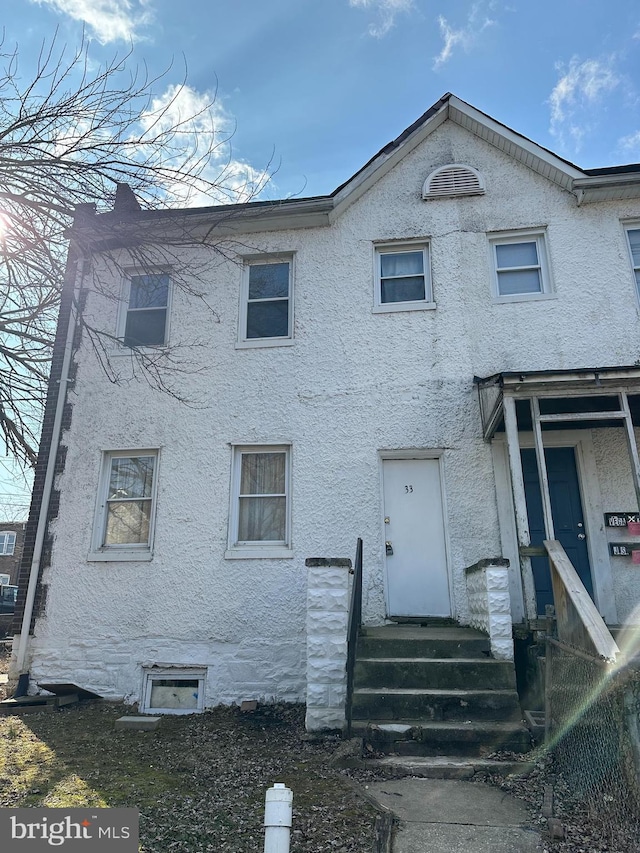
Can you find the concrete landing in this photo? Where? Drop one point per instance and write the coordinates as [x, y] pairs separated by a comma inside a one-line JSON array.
[[138, 724], [449, 816]]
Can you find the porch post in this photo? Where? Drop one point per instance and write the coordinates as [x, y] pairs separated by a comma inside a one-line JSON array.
[[515, 466], [542, 470], [520, 504], [631, 443]]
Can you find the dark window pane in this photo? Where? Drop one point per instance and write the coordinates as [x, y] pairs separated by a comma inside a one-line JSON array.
[[145, 328], [634, 242], [517, 255], [149, 291], [403, 289], [268, 281], [268, 319]]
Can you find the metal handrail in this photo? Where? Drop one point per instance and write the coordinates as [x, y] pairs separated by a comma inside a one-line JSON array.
[[355, 620]]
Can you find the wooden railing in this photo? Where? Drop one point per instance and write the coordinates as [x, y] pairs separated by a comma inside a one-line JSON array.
[[355, 620], [578, 622]]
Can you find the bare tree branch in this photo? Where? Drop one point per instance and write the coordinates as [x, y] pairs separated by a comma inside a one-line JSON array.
[[69, 135]]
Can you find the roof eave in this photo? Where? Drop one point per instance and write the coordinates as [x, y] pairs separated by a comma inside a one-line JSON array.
[[607, 187]]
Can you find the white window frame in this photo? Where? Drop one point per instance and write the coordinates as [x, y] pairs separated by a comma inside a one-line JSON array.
[[8, 539], [635, 267], [124, 310], [537, 236], [380, 249], [236, 550], [284, 340], [174, 673], [131, 551]]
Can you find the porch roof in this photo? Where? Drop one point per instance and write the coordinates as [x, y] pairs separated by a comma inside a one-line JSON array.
[[577, 385]]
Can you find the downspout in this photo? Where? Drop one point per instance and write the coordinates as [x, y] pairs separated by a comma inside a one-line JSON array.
[[23, 642]]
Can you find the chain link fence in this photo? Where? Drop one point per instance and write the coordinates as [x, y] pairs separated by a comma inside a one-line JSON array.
[[592, 718]]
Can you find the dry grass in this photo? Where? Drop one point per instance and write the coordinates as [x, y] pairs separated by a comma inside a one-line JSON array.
[[199, 781]]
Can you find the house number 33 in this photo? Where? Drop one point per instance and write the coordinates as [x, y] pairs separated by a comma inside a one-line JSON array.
[[408, 489]]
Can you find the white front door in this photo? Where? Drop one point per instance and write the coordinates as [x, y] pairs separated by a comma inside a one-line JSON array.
[[416, 559]]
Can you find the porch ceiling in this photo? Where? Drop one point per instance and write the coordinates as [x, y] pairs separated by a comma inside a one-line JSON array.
[[581, 391]]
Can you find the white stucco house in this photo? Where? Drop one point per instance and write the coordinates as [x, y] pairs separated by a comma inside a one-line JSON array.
[[373, 363]]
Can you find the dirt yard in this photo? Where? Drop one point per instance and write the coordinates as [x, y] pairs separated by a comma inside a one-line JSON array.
[[199, 781]]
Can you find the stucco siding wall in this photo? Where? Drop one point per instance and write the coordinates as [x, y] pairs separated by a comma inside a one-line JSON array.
[[353, 383], [618, 495]]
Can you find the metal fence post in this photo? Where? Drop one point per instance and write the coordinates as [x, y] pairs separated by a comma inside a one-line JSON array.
[[278, 808]]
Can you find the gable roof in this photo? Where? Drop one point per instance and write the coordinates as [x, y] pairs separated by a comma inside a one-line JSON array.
[[589, 185]]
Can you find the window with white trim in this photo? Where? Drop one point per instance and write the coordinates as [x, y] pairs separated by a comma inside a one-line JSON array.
[[126, 508], [520, 268], [260, 510], [633, 236], [403, 278], [173, 690], [266, 315], [7, 543], [147, 310]]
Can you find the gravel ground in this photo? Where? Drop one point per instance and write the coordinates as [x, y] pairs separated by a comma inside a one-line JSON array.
[[598, 825]]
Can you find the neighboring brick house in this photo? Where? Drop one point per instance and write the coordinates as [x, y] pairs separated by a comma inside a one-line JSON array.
[[11, 543], [387, 362]]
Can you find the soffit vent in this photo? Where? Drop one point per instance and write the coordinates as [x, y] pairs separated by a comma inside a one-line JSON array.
[[453, 180]]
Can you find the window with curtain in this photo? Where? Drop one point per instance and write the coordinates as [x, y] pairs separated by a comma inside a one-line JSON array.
[[402, 275], [520, 266], [261, 477]]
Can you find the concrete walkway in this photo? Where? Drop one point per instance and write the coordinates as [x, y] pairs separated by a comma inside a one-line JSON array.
[[448, 816]]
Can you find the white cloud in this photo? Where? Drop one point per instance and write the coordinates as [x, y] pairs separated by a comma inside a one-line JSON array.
[[631, 145], [108, 20], [477, 21], [387, 12], [204, 134], [581, 87]]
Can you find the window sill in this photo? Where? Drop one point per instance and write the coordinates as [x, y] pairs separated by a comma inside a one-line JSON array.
[[265, 342], [277, 553], [119, 556], [524, 297], [390, 307]]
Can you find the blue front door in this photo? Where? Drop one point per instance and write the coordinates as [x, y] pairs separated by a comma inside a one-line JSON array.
[[568, 518]]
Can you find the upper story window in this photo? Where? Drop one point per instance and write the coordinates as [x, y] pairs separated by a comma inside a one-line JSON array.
[[260, 501], [633, 236], [145, 322], [126, 507], [7, 543], [266, 313], [403, 281], [520, 268]]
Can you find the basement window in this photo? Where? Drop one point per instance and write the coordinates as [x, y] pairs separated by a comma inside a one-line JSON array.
[[174, 690]]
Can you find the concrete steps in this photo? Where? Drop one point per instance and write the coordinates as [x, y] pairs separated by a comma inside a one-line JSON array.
[[433, 693]]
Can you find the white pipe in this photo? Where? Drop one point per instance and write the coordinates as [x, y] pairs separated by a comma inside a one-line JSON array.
[[278, 808], [23, 642]]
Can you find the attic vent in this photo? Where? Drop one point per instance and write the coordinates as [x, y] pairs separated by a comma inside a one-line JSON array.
[[453, 180]]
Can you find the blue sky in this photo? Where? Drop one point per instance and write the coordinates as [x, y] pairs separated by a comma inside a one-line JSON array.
[[318, 87]]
